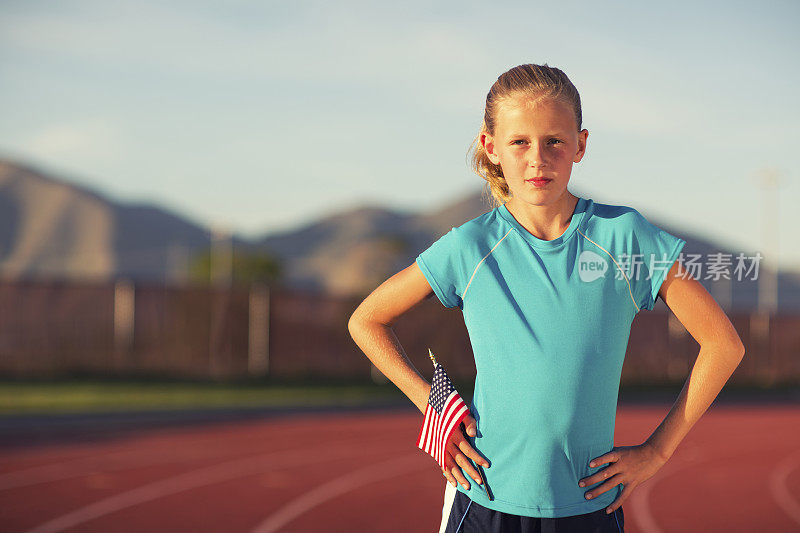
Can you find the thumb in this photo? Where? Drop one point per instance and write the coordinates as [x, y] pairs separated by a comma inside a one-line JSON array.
[[470, 425]]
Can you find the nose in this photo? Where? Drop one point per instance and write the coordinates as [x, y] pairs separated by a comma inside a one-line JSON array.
[[536, 155]]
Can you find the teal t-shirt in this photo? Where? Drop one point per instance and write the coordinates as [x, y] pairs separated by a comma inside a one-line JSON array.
[[549, 323]]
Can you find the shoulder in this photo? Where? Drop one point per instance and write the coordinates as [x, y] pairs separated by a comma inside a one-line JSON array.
[[486, 229], [467, 240], [479, 224], [619, 213], [618, 218]]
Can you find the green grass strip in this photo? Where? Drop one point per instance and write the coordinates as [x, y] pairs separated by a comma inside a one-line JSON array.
[[65, 397]]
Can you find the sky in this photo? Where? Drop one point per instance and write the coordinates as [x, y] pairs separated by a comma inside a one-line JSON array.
[[262, 116]]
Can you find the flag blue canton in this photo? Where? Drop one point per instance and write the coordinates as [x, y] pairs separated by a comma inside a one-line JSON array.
[[440, 389]]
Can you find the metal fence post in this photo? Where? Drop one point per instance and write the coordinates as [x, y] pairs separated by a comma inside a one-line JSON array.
[[258, 331], [124, 312]]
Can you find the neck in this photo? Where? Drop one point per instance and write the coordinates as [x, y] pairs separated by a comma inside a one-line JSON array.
[[546, 221]]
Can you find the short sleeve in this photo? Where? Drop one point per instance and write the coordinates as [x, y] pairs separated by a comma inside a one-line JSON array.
[[657, 252], [441, 263]]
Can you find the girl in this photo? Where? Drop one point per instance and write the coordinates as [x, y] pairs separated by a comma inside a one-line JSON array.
[[548, 284]]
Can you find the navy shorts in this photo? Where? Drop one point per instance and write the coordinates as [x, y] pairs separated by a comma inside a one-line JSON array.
[[466, 516]]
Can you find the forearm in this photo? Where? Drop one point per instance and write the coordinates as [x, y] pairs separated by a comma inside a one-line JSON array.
[[711, 370], [380, 344]]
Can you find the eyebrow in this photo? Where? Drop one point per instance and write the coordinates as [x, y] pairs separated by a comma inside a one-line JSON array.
[[557, 134]]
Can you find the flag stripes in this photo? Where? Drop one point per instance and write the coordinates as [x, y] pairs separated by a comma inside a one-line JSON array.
[[443, 414]]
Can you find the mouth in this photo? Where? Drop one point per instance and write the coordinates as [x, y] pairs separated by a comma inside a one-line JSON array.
[[539, 181]]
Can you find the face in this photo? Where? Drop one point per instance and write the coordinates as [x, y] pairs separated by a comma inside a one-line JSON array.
[[535, 139]]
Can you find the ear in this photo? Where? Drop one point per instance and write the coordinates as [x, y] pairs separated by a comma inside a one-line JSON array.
[[488, 146], [582, 136]]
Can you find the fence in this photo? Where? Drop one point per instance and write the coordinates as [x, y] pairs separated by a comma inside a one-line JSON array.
[[50, 329]]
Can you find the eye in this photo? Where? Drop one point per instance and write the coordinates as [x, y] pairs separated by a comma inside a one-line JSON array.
[[517, 142]]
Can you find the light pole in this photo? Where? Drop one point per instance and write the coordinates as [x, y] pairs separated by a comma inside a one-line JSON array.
[[221, 274], [768, 278], [767, 274]]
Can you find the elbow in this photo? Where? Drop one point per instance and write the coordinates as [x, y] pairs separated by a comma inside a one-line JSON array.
[[740, 349], [352, 324], [736, 348], [731, 348], [734, 345], [355, 324]]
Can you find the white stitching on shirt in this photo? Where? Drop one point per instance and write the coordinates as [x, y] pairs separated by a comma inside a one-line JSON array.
[[619, 267], [481, 262]]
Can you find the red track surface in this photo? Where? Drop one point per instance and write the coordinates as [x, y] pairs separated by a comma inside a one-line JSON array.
[[737, 470]]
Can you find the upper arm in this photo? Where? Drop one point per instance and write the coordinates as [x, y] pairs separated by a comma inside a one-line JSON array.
[[697, 310], [395, 296]]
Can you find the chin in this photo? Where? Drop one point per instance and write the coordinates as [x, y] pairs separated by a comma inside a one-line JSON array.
[[543, 194]]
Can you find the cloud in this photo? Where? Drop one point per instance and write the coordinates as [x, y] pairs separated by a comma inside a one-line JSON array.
[[88, 140], [322, 42]]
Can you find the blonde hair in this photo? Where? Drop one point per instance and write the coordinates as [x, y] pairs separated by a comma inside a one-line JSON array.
[[531, 82]]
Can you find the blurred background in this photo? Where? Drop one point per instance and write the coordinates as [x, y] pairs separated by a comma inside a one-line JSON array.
[[195, 196]]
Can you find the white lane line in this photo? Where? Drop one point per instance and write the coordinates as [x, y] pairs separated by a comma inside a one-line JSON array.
[[779, 488], [107, 462], [641, 510], [87, 465], [75, 467], [199, 478], [337, 486]]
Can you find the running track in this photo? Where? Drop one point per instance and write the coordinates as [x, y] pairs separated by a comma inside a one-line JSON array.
[[738, 470]]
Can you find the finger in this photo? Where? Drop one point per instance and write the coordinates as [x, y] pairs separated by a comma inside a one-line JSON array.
[[610, 457], [463, 444], [608, 485], [468, 468], [626, 491], [461, 460], [449, 477], [470, 452], [470, 425], [459, 475], [598, 476]]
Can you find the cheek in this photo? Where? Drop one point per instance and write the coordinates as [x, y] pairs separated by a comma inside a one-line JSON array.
[[562, 156], [515, 159]]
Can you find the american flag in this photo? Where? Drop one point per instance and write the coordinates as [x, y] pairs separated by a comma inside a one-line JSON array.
[[443, 414]]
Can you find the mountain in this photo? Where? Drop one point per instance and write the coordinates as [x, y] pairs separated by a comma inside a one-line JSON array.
[[355, 250], [50, 228]]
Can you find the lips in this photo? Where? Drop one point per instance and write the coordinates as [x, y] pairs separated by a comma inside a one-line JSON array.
[[540, 179]]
